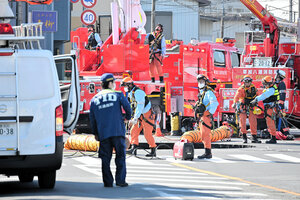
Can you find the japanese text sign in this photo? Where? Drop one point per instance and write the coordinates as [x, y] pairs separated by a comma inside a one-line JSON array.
[[49, 19]]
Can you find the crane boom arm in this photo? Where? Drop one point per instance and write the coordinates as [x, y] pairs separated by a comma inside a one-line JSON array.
[[270, 27]]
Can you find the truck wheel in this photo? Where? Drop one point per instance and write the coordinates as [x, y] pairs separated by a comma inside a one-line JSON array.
[[25, 178], [47, 179]]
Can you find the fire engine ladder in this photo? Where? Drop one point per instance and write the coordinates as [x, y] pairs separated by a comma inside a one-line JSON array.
[[12, 97], [27, 34]]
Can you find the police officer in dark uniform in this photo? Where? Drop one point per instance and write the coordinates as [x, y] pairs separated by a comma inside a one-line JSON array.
[[108, 124], [94, 39]]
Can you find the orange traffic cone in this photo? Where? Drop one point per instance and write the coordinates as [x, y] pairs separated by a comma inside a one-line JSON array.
[[158, 131]]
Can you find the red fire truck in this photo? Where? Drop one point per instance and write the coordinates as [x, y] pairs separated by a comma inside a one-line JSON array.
[[220, 61], [260, 59]]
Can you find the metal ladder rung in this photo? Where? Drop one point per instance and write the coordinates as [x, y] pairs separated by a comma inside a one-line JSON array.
[[8, 96], [8, 121], [7, 73]]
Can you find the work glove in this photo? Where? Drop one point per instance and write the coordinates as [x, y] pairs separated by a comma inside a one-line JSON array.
[[133, 121], [253, 102]]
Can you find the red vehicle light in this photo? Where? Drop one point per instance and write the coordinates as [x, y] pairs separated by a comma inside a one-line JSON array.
[[59, 121], [6, 29]]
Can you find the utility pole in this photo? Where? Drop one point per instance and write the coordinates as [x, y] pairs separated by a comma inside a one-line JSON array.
[[298, 32], [153, 16], [222, 21], [291, 11]]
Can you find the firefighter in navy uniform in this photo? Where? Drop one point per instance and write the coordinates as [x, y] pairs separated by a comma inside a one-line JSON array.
[[94, 39], [270, 97], [205, 107], [279, 77], [245, 94], [107, 124], [143, 118]]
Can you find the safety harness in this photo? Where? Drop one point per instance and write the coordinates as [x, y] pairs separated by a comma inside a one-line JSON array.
[[272, 99], [92, 41], [203, 107], [134, 105], [153, 47], [251, 93]]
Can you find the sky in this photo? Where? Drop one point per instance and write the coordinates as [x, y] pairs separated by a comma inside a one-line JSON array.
[[280, 8]]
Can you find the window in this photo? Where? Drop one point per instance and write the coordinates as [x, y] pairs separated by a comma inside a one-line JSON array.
[[235, 60], [219, 58]]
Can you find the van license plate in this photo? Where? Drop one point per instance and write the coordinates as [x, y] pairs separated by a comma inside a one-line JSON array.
[[7, 129]]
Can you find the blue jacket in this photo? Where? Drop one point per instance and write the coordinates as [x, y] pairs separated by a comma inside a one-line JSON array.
[[106, 114], [141, 108], [210, 101]]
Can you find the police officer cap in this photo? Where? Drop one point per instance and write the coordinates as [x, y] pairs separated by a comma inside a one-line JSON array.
[[107, 77]]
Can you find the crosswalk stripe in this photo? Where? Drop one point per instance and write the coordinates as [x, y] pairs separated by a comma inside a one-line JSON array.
[[250, 158], [97, 171], [162, 180], [219, 160], [214, 192], [88, 160], [155, 168], [176, 176], [198, 186], [285, 157]]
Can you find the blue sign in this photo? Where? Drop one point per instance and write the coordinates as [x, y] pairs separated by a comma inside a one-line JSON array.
[[49, 19]]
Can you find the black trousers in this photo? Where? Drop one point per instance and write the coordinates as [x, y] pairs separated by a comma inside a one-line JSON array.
[[105, 153]]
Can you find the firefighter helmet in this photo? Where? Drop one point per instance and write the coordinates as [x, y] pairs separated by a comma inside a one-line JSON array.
[[280, 73], [126, 80], [267, 80], [202, 77], [246, 79]]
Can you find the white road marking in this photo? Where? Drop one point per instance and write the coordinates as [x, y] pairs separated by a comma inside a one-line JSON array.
[[214, 192], [162, 180], [285, 157], [87, 160], [176, 176], [162, 194], [219, 160], [251, 158], [197, 186]]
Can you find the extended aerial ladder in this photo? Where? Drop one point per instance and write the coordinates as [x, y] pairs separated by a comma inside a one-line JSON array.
[[270, 27]]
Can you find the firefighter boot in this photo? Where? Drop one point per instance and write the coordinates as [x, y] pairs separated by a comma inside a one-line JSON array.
[[272, 141], [207, 154], [152, 79], [161, 79], [152, 153], [245, 138], [254, 139], [133, 149]]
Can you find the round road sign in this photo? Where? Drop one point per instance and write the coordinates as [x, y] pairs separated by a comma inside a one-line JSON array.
[[88, 17], [88, 3], [74, 1]]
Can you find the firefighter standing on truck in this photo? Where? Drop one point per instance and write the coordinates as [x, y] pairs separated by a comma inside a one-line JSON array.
[[94, 39], [107, 124], [157, 52], [143, 118], [281, 121], [270, 97], [245, 94], [205, 107]]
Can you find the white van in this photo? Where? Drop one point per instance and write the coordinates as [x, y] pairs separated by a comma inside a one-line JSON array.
[[35, 107]]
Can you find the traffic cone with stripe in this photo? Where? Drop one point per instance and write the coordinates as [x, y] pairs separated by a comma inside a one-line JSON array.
[[158, 132]]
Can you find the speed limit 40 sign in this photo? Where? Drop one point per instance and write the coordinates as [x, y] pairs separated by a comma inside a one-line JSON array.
[[88, 17]]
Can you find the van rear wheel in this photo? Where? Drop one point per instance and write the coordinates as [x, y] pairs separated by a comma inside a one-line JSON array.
[[47, 179], [25, 178]]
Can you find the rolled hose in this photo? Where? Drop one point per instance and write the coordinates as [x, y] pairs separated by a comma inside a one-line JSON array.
[[217, 134], [85, 143]]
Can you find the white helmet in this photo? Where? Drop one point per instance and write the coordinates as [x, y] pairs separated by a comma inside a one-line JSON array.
[[280, 73]]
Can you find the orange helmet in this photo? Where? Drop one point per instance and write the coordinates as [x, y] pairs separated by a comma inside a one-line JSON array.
[[126, 80], [267, 80], [246, 78]]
